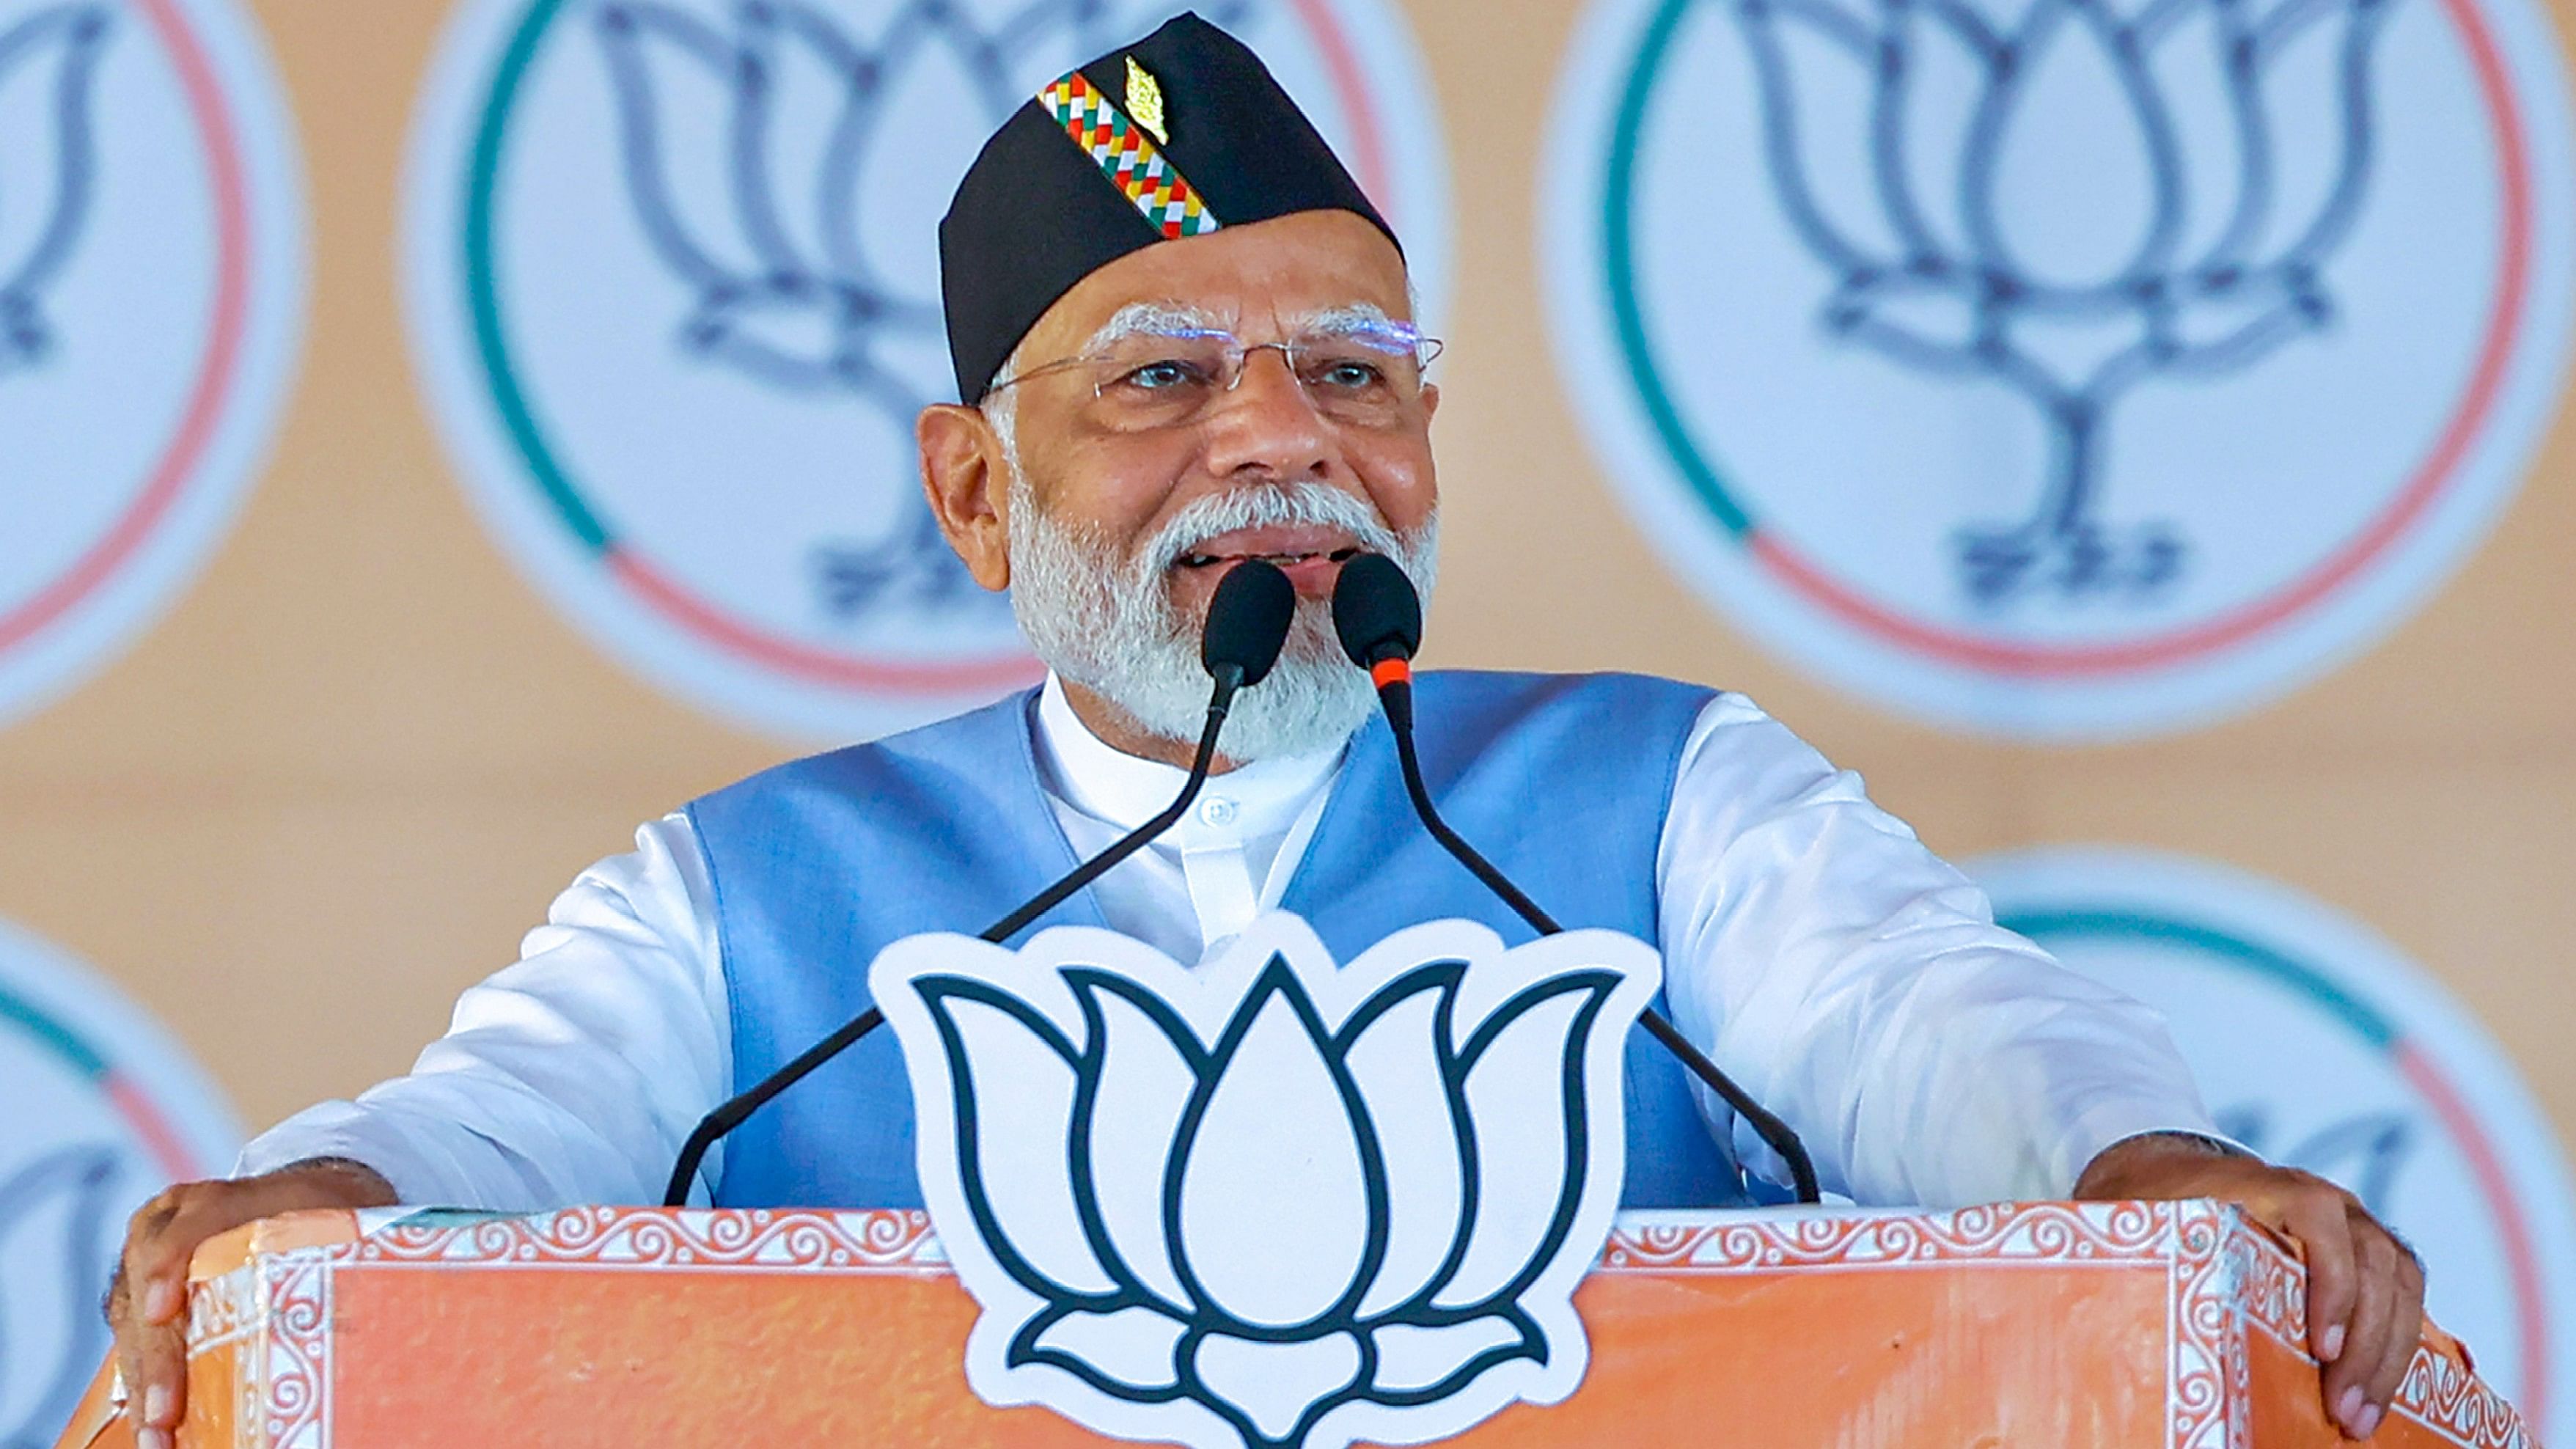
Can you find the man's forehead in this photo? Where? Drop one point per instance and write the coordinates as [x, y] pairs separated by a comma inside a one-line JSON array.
[[1250, 278], [1175, 317]]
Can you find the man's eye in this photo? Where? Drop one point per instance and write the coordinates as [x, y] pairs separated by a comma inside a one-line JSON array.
[[1165, 375], [1348, 374]]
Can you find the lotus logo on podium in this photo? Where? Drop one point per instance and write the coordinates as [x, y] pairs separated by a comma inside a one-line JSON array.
[[1271, 1201]]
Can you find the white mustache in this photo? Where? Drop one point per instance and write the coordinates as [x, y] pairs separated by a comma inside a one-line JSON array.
[[1269, 506]]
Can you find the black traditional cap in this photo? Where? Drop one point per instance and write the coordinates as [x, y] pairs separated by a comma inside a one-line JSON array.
[[1174, 136]]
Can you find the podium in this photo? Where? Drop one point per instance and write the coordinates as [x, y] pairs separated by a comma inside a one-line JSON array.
[[2114, 1325]]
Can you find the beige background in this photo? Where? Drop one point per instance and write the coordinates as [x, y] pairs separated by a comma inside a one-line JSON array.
[[360, 755]]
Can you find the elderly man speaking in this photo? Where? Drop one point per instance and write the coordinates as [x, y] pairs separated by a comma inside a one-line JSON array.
[[1185, 339]]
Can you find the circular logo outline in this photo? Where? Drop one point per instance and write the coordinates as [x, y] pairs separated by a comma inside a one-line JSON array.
[[647, 619], [80, 620], [143, 1071], [1657, 462], [2402, 1012], [172, 1123]]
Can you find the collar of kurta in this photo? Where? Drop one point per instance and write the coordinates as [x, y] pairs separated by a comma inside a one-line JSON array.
[[1261, 798]]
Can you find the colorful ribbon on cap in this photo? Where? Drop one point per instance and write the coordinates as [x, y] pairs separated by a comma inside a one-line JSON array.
[[1127, 158]]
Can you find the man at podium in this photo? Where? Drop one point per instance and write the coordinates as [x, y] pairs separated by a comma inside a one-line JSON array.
[[1184, 338]]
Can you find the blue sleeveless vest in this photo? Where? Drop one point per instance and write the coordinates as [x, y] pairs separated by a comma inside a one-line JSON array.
[[1562, 781]]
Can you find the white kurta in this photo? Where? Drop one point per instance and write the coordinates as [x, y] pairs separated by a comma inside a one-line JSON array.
[[1842, 973]]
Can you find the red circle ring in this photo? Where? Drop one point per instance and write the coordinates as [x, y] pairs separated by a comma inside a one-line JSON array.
[[214, 385]]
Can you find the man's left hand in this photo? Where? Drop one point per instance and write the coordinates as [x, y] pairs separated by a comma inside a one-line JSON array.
[[2365, 1289]]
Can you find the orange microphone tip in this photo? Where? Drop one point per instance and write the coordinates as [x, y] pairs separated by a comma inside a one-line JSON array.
[[1391, 671]]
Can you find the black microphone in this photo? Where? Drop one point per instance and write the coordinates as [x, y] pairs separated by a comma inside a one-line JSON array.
[[1247, 626], [1379, 617]]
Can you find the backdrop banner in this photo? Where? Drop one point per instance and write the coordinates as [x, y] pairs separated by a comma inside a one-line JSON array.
[[437, 437]]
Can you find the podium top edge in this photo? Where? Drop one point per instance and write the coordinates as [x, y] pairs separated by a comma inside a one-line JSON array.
[[1996, 1229]]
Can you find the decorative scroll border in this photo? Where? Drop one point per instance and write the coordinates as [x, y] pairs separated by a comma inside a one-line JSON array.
[[873, 1240], [223, 1311], [2439, 1391], [289, 1394], [2111, 1233], [2209, 1372]]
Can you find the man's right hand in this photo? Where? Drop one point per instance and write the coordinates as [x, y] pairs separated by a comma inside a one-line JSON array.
[[147, 1306]]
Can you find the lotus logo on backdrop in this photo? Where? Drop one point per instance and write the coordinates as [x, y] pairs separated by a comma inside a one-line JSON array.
[[2059, 369], [56, 1210], [151, 292], [1271, 1201], [105, 1110], [51, 53], [2319, 1045], [777, 284], [674, 293], [1970, 294]]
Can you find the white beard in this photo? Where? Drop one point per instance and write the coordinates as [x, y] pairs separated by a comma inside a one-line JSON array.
[[1108, 623]]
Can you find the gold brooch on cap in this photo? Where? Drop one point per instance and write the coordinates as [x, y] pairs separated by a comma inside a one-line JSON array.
[[1145, 101]]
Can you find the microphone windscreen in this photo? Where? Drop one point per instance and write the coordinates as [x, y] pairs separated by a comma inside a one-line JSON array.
[[1247, 621], [1376, 611]]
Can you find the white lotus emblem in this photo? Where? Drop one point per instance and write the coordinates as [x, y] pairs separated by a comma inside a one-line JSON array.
[[1271, 1201]]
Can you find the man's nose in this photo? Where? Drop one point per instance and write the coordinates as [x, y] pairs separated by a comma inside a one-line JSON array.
[[1266, 423]]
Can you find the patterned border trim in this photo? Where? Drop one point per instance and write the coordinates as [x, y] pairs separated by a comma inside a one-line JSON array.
[[2111, 1233], [222, 1312], [2209, 1373], [1127, 158], [289, 1393], [2439, 1391], [801, 1242], [2275, 1293]]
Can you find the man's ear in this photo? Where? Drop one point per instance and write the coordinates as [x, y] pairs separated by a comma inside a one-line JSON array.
[[968, 483]]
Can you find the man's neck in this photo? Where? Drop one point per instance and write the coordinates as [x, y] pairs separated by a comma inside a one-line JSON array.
[[1113, 727]]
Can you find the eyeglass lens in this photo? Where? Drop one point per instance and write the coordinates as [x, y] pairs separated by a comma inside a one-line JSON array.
[[1361, 377]]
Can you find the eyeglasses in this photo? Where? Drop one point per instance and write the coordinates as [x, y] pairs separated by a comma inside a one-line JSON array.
[[1363, 376]]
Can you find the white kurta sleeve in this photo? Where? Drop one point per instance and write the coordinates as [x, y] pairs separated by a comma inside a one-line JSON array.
[[1858, 986], [569, 1077]]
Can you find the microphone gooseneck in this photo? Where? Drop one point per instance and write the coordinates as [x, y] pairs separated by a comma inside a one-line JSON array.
[[1378, 615], [1247, 626]]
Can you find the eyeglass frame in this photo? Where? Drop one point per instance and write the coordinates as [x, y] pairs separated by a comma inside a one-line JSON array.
[[1238, 353]]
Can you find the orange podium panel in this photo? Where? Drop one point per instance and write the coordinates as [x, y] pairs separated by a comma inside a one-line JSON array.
[[2171, 1325]]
